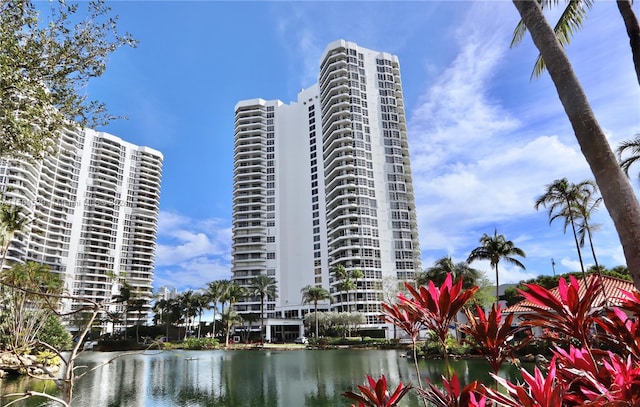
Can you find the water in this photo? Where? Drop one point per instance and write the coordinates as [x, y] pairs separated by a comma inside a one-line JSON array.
[[311, 378]]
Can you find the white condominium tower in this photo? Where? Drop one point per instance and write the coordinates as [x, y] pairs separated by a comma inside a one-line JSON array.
[[93, 213], [326, 181]]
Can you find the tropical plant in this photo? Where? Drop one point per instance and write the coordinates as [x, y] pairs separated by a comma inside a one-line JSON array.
[[572, 19], [232, 293], [46, 63], [215, 292], [31, 299], [12, 221], [571, 313], [445, 265], [264, 287], [494, 336], [437, 307], [630, 149], [125, 294], [617, 193], [567, 200], [201, 302], [409, 320], [451, 394], [138, 305], [375, 393], [495, 248], [314, 294]]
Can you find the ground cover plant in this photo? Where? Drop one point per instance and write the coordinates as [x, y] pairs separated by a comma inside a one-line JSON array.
[[596, 353]]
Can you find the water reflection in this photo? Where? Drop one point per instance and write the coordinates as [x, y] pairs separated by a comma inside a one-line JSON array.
[[250, 378]]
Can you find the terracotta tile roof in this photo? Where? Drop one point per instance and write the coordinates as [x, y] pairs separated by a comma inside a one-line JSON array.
[[612, 287]]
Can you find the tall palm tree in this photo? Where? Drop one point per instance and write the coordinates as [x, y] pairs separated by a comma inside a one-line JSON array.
[[123, 297], [314, 294], [340, 274], [562, 198], [632, 148], [189, 304], [584, 228], [137, 305], [617, 193], [495, 248], [215, 291], [232, 293], [264, 287], [572, 19], [12, 221], [356, 274], [201, 302]]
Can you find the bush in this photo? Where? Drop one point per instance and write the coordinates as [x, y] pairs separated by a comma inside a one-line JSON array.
[[200, 343], [55, 334]]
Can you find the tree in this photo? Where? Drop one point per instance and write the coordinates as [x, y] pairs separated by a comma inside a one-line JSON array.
[[631, 148], [137, 305], [562, 198], [123, 297], [616, 191], [264, 287], [215, 292], [30, 300], [495, 248], [201, 302], [445, 265], [45, 66], [12, 221], [314, 294], [232, 293], [571, 20]]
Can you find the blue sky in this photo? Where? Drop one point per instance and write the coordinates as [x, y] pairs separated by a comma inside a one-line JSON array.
[[484, 138]]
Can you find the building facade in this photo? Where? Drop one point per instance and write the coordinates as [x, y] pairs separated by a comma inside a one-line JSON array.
[[93, 209], [326, 181]]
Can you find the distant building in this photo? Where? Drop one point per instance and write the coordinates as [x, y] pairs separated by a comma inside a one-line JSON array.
[[93, 207], [326, 181], [166, 293]]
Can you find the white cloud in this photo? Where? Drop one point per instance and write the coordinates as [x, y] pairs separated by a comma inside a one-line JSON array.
[[191, 252]]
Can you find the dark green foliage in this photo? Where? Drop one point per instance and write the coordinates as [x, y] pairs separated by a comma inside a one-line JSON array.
[[55, 334]]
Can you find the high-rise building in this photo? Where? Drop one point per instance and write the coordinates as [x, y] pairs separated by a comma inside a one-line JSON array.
[[93, 208], [326, 181]]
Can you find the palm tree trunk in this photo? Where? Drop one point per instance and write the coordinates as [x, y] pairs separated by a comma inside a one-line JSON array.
[[575, 238], [213, 329], [262, 330], [598, 271], [497, 287], [315, 312], [616, 190], [633, 31]]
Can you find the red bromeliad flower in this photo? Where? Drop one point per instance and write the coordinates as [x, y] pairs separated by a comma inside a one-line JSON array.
[[537, 391], [612, 381], [572, 313], [438, 306], [621, 333], [452, 394], [493, 336], [377, 394]]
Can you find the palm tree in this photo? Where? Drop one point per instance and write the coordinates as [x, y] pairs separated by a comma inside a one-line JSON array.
[[340, 273], [215, 291], [264, 287], [123, 297], [12, 221], [572, 19], [137, 305], [201, 302], [633, 148], [445, 265], [585, 228], [232, 293], [356, 274], [314, 294], [189, 304], [495, 248], [562, 199], [617, 193]]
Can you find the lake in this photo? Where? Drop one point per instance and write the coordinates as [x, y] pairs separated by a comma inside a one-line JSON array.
[[260, 378]]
